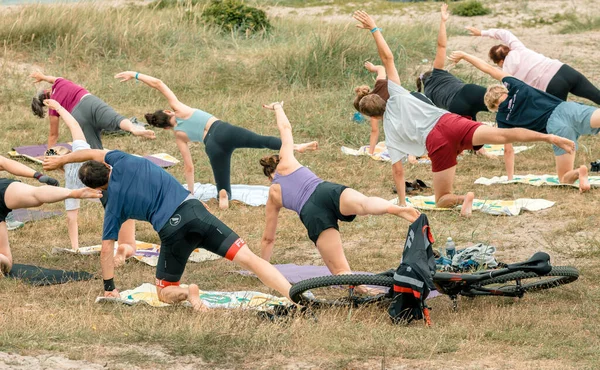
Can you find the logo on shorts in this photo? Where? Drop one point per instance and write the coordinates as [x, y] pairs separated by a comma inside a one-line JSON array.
[[175, 220]]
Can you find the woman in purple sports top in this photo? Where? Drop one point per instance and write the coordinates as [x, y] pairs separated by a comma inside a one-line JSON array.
[[320, 204]]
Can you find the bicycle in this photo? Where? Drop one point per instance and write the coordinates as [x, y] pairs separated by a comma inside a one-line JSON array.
[[534, 274]]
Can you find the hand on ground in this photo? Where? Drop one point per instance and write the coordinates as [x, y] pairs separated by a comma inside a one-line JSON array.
[[113, 294]]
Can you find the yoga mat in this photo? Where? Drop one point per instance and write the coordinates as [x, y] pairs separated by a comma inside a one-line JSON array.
[[145, 252], [245, 300], [492, 207], [498, 149], [252, 195], [27, 215], [36, 153], [380, 154], [535, 180], [38, 276], [295, 273]]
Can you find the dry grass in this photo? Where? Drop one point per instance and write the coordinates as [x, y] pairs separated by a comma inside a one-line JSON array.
[[313, 67]]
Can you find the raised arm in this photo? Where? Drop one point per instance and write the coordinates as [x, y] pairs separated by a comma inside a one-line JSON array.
[[505, 36], [496, 73], [39, 77], [157, 84], [19, 169], [54, 162], [442, 41], [271, 214], [380, 70], [76, 132], [385, 53], [286, 153]]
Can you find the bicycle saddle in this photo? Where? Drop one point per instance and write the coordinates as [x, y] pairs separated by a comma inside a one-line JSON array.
[[539, 263]]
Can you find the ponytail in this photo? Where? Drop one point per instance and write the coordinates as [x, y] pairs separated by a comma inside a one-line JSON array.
[[361, 92], [269, 164], [37, 104]]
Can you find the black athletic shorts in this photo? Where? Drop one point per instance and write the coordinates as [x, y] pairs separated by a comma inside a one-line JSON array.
[[192, 226], [4, 210], [322, 210]]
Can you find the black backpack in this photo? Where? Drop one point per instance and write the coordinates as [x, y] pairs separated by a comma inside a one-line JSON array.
[[413, 280]]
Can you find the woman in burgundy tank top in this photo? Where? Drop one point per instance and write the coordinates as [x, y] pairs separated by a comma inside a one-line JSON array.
[[320, 204]]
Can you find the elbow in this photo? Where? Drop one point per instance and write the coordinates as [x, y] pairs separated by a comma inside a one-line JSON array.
[[509, 151], [157, 83], [266, 241], [188, 170]]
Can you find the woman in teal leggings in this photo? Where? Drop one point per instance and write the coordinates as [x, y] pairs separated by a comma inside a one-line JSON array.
[[219, 137]]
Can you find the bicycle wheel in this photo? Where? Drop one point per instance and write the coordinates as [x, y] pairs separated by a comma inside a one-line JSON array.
[[519, 281], [336, 290]]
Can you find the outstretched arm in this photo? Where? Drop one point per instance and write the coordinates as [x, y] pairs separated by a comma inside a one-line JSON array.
[[380, 70], [442, 41], [54, 162], [72, 124], [505, 36], [385, 53], [19, 169], [39, 77], [271, 214], [157, 84], [496, 73]]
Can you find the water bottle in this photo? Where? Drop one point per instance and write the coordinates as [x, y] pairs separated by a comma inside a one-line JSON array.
[[450, 248]]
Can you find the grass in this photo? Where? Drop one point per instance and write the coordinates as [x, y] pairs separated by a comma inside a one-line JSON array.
[[313, 67], [577, 24]]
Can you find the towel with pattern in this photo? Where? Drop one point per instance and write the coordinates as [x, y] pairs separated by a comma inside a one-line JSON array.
[[535, 180], [252, 195], [145, 252], [492, 207], [380, 154], [245, 300], [498, 149]]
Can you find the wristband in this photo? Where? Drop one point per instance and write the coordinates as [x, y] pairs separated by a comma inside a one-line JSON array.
[[109, 285], [375, 30], [136, 75], [37, 175]]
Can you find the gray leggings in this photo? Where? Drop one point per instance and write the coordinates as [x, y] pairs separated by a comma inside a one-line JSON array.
[[220, 142]]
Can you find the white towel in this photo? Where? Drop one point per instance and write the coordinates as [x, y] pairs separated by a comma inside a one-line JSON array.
[[252, 195]]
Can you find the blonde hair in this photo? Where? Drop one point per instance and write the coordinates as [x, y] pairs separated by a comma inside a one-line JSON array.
[[493, 95], [367, 103]]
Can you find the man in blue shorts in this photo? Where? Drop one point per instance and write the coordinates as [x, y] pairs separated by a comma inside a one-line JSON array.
[[138, 189]]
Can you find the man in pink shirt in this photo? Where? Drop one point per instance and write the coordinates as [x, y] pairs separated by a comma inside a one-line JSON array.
[[535, 69], [93, 114]]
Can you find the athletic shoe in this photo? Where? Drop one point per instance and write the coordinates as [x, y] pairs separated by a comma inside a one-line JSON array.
[[11, 223]]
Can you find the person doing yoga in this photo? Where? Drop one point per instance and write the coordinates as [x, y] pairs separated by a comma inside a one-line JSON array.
[[219, 137], [444, 89], [320, 204], [14, 195], [380, 89], [126, 240], [549, 75], [413, 127], [92, 114], [519, 105], [139, 189]]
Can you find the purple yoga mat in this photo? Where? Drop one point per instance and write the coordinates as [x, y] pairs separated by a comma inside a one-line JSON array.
[[27, 215], [295, 273], [159, 162], [37, 150]]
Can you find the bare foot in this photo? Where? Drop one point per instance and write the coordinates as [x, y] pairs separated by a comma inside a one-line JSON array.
[[584, 184], [5, 265], [124, 251], [365, 290], [467, 206], [223, 199], [194, 298], [301, 148], [565, 144]]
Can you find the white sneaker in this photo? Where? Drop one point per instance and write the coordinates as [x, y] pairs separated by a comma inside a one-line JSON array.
[[11, 223]]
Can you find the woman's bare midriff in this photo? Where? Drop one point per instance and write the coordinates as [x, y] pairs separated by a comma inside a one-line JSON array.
[[211, 120]]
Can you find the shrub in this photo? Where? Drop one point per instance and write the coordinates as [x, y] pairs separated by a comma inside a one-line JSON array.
[[470, 8], [234, 15]]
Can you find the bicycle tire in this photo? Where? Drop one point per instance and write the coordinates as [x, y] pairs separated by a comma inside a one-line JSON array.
[[559, 275], [297, 291]]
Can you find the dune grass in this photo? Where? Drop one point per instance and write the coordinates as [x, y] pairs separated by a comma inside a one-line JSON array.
[[313, 67]]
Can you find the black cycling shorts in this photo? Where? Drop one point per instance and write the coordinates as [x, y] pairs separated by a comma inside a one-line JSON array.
[[192, 226], [322, 210], [4, 210]]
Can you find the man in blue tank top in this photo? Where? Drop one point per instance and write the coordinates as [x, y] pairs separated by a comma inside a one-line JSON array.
[[138, 189]]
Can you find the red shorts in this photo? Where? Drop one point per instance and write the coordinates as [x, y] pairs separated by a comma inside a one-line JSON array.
[[451, 135]]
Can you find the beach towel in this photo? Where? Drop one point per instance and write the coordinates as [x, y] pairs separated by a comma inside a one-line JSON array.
[[498, 149], [36, 153], [295, 273], [26, 215], [252, 195], [535, 180], [380, 154], [489, 206], [39, 276], [245, 300], [145, 252]]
